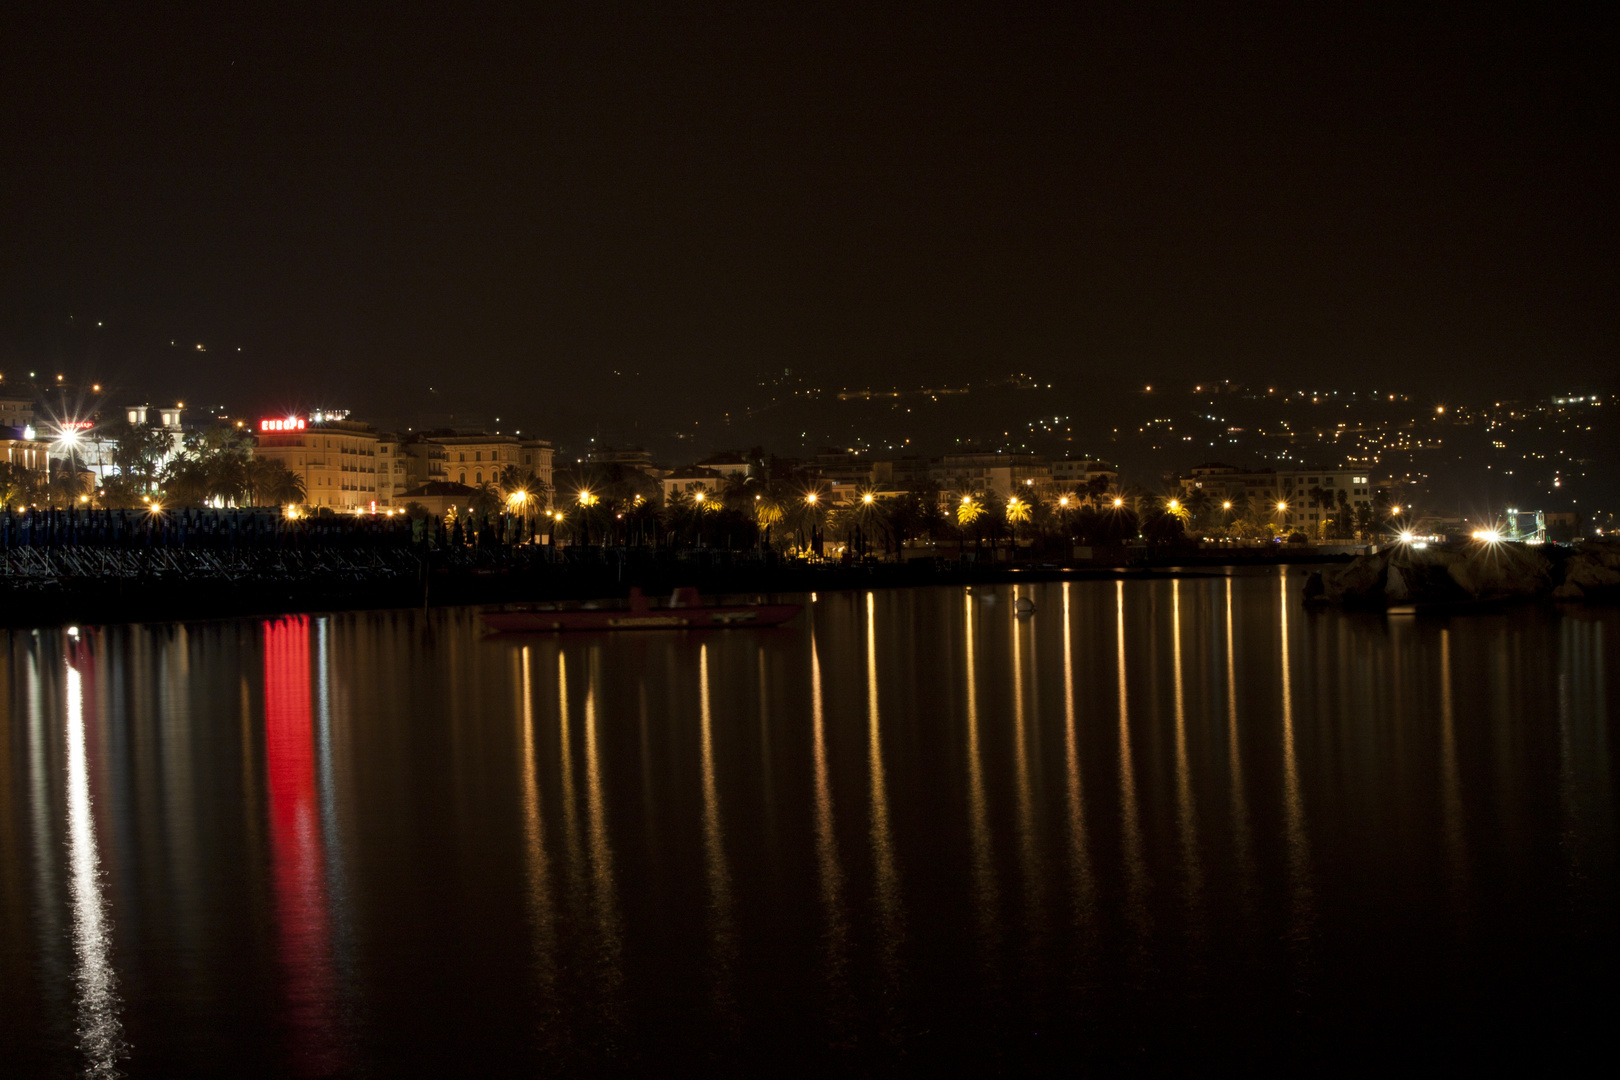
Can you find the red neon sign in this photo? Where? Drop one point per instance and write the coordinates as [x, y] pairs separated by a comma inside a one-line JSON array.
[[288, 424]]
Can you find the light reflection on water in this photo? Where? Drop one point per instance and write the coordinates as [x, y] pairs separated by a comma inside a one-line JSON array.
[[1153, 820], [99, 1025]]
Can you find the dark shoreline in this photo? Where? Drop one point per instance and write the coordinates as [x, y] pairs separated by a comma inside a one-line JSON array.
[[97, 601]]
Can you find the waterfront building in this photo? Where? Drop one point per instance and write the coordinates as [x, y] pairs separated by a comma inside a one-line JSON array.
[[630, 457], [426, 462], [336, 459], [438, 497], [16, 412], [727, 464], [692, 479], [1291, 487], [21, 450], [998, 474], [537, 457], [900, 474], [844, 467], [476, 459], [1070, 473], [392, 478]]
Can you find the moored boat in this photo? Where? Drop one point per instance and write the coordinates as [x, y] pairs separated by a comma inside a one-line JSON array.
[[685, 611]]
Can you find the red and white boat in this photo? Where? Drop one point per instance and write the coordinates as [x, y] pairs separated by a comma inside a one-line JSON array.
[[685, 611]]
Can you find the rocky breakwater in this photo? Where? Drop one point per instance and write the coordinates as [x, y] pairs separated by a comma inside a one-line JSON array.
[[1480, 572]]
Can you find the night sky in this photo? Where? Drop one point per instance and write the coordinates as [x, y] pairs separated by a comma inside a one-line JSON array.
[[512, 210]]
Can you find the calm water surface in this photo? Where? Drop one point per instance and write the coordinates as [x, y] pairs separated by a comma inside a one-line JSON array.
[[1182, 821]]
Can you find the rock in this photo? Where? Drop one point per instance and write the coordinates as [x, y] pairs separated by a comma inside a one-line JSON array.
[[1500, 571], [1024, 606], [1568, 591], [1359, 581], [1591, 571], [1396, 590], [1409, 574]]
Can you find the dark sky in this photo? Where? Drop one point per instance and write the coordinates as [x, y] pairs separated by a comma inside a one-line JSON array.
[[512, 209]]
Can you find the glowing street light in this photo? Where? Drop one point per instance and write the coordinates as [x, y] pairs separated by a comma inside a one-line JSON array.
[[1227, 505], [867, 499], [811, 498], [1118, 502], [1281, 507]]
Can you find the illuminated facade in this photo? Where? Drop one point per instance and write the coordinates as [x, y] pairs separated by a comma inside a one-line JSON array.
[[27, 454], [336, 459], [392, 470], [471, 460]]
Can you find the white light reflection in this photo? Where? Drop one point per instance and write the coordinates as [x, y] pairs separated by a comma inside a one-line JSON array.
[[99, 1028]]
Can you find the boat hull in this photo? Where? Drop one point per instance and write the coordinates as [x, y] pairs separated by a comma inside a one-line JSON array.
[[701, 618]]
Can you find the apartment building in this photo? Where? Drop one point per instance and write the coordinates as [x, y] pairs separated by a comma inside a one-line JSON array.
[[999, 474], [1075, 473], [1290, 487]]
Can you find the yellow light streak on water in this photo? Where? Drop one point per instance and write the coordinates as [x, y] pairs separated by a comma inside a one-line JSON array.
[[1130, 825], [984, 880], [888, 881], [534, 841], [1299, 852], [1079, 859], [1186, 813]]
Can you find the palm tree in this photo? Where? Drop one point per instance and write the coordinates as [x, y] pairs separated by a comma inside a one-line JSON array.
[[66, 485], [17, 486], [184, 481], [1017, 511], [138, 448], [866, 515], [486, 499], [969, 510], [286, 488], [1198, 504]]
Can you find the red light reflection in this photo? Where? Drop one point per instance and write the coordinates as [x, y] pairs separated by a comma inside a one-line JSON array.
[[305, 938]]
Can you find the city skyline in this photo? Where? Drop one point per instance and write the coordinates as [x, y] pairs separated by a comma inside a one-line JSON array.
[[663, 206]]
